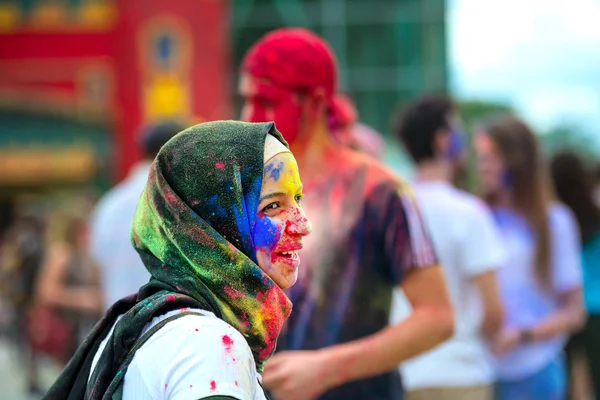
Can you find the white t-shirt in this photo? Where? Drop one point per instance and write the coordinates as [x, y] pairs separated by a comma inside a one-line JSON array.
[[526, 303], [467, 244], [190, 358]]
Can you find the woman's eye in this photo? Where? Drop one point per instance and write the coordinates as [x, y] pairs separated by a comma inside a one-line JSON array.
[[299, 198], [272, 206]]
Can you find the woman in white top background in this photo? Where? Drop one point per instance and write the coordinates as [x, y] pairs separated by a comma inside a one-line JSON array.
[[540, 281], [218, 227]]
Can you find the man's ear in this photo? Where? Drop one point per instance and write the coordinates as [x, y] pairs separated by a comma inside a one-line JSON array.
[[441, 141], [318, 101]]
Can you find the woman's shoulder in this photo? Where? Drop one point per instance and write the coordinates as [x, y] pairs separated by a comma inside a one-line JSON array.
[[561, 216], [198, 327], [198, 353]]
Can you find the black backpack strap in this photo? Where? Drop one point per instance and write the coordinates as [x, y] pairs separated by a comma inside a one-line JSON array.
[[144, 338], [118, 390], [116, 386]]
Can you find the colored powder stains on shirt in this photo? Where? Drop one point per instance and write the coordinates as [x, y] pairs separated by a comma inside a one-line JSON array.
[[220, 165], [227, 343], [213, 386], [360, 249], [170, 298]]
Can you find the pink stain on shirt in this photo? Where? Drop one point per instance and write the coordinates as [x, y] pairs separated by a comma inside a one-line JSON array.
[[227, 343], [213, 386], [220, 165], [170, 297]]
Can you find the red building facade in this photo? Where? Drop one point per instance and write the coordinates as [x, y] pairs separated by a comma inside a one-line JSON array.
[[113, 64]]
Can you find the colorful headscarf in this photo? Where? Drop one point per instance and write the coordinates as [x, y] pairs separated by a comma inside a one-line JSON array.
[[193, 229], [293, 58]]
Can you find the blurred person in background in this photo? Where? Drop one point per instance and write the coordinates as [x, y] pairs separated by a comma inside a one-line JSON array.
[[22, 255], [368, 238], [468, 245], [540, 280], [121, 270], [596, 184], [574, 185], [68, 281], [349, 132]]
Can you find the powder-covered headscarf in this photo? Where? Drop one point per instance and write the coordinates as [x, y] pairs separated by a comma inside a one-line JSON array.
[[193, 229]]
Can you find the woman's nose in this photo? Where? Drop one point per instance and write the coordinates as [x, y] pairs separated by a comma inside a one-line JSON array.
[[299, 223]]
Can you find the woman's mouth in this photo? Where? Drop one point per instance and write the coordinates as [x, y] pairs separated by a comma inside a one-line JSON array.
[[290, 258]]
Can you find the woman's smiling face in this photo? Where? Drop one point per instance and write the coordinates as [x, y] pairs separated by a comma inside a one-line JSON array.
[[281, 221]]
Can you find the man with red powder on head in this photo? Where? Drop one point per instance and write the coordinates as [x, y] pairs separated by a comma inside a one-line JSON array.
[[368, 238]]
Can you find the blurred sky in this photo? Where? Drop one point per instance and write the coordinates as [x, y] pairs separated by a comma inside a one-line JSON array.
[[541, 56]]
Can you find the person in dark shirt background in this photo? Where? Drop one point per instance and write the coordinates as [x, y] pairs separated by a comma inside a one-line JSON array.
[[368, 238]]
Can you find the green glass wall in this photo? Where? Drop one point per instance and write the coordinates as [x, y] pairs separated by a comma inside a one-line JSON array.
[[389, 51]]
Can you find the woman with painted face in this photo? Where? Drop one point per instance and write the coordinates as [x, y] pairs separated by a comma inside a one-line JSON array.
[[218, 226], [540, 280]]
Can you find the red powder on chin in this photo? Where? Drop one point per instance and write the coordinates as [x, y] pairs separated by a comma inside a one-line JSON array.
[[213, 386]]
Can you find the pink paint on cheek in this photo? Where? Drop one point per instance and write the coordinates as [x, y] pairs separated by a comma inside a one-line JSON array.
[[219, 165], [213, 386], [227, 343]]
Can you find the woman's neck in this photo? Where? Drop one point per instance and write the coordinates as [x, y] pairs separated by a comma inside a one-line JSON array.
[[502, 199]]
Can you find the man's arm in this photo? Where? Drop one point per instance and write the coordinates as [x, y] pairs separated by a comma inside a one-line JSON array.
[[430, 323], [492, 305]]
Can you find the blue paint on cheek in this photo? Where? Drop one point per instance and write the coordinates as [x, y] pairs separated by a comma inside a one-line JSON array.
[[273, 171], [266, 234]]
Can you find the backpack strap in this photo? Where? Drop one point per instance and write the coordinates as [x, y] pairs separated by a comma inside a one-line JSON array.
[[144, 338], [116, 386]]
